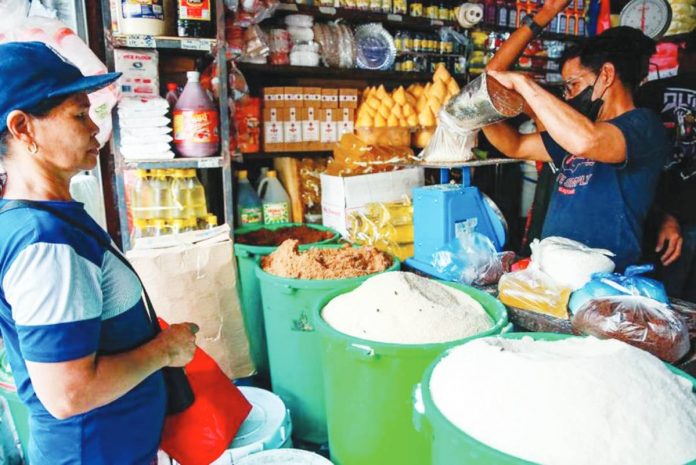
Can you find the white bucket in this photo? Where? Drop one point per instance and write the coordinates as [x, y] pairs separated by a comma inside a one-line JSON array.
[[284, 457], [267, 427]]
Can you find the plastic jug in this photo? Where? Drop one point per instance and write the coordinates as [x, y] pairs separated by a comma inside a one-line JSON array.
[[274, 199], [146, 17], [182, 195], [198, 201], [195, 121], [162, 199], [142, 197], [248, 203]]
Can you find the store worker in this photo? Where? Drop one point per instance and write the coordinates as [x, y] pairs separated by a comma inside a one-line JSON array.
[[82, 351], [674, 98], [608, 154]]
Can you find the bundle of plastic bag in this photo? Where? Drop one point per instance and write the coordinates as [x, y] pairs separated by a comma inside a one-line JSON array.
[[611, 284], [15, 26], [533, 290], [640, 321], [571, 263], [471, 258]]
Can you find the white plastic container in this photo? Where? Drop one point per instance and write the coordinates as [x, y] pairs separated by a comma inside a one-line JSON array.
[[275, 201], [268, 427], [147, 17], [285, 457]]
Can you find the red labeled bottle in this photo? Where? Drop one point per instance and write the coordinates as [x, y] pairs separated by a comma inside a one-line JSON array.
[[195, 18], [195, 121]]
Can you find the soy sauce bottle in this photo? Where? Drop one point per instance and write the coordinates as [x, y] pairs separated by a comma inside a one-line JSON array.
[[195, 18]]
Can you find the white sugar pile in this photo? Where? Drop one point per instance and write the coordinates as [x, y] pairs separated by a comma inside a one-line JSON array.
[[578, 401], [403, 308]]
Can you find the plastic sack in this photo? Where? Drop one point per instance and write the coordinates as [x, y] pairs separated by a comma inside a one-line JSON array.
[[202, 433], [636, 320], [571, 263], [471, 258], [611, 284], [61, 38], [536, 291]]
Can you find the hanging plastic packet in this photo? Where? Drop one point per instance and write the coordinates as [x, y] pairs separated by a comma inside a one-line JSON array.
[[482, 102]]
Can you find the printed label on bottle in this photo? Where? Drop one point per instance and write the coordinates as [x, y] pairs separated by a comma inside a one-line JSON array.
[[199, 126], [276, 213], [250, 215], [142, 9], [194, 9]]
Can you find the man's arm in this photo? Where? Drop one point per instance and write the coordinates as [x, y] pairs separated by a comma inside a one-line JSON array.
[[507, 140], [512, 48], [77, 386], [598, 141]]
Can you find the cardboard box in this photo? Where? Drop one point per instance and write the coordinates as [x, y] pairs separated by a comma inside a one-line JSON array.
[[293, 96], [346, 122], [328, 128], [311, 96], [292, 129], [342, 195], [140, 72], [273, 137], [329, 98], [348, 98], [274, 97], [310, 128]]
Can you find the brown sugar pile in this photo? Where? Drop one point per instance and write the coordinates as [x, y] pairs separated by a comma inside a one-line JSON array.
[[270, 237], [346, 262]]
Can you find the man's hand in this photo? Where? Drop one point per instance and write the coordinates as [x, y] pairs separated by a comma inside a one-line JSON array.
[[670, 240], [508, 79], [556, 6]]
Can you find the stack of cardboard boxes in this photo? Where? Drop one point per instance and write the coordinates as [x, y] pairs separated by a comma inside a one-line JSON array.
[[306, 119]]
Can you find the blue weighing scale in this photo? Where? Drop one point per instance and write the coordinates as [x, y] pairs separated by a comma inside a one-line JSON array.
[[440, 212]]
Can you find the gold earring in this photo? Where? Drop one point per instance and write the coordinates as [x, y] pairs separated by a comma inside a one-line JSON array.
[[33, 148]]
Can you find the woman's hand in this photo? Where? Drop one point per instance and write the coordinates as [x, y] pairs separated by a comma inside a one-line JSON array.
[[178, 343], [669, 240]]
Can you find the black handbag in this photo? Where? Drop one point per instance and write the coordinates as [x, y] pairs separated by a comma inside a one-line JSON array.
[[179, 393]]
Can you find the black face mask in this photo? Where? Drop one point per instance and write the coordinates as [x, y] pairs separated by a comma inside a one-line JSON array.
[[584, 104]]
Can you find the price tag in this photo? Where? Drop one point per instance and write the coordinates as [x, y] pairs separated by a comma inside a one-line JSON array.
[[436, 22], [210, 162], [395, 18], [196, 44], [327, 10], [140, 41]]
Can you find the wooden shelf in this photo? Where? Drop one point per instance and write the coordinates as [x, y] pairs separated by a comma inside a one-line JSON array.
[[163, 42], [355, 16], [318, 72], [544, 35], [271, 155], [175, 163]]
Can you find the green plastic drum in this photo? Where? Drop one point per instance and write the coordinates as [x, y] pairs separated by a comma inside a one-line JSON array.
[[293, 345], [451, 445], [369, 390], [248, 256]]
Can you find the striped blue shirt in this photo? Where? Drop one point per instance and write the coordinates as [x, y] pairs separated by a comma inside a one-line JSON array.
[[63, 297]]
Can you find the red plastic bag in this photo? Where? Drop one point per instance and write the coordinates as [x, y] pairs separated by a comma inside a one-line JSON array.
[[201, 433]]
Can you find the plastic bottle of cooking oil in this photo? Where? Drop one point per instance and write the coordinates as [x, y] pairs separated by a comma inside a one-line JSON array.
[[275, 201], [198, 202], [142, 197], [182, 195], [162, 199], [160, 227]]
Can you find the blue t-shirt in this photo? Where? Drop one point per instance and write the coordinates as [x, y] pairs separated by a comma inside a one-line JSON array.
[[604, 205], [63, 297]]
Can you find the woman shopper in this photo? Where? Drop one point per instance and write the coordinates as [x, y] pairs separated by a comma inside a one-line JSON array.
[[608, 153], [84, 355]]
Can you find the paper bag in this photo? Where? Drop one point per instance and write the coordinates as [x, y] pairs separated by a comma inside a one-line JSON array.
[[197, 282]]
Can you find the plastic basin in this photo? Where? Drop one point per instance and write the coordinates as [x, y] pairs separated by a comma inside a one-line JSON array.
[[248, 256], [369, 390], [293, 345], [451, 445]]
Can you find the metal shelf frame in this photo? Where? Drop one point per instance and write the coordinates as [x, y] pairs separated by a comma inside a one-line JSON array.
[[218, 47]]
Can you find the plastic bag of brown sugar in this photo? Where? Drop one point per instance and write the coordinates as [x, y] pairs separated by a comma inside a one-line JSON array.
[[642, 322]]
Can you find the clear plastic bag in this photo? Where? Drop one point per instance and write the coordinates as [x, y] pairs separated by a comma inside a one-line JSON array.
[[642, 322], [471, 258], [534, 290], [612, 284]]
